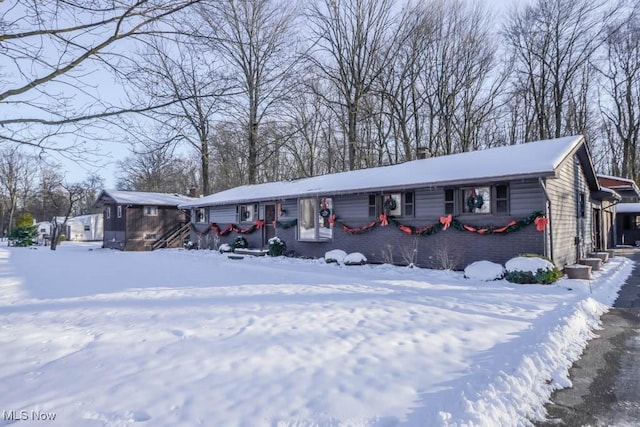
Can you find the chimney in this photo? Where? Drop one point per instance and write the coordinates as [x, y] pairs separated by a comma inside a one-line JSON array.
[[194, 191], [423, 153]]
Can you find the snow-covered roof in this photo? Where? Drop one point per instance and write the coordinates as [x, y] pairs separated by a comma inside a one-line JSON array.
[[533, 159], [628, 207], [144, 198]]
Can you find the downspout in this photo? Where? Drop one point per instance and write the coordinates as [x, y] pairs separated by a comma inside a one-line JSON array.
[[548, 235]]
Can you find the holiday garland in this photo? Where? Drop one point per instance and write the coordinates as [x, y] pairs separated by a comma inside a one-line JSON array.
[[538, 218], [448, 221]]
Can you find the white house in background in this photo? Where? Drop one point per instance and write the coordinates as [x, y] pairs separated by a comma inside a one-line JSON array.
[[44, 231], [85, 228]]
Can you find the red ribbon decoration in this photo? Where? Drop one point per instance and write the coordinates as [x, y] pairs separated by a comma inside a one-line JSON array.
[[384, 221], [541, 222], [406, 229], [445, 221], [332, 220], [259, 224]]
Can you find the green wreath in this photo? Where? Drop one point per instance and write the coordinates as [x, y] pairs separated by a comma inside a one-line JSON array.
[[389, 204], [475, 202]]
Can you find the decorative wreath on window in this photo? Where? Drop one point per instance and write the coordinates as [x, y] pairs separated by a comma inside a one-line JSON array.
[[325, 213], [475, 202], [390, 204]]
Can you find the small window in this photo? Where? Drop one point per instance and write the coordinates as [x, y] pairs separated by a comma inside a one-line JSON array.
[[119, 211], [502, 199], [87, 228], [150, 211], [247, 213], [582, 205], [149, 236], [408, 203], [108, 212], [374, 207], [626, 222], [476, 200], [200, 216], [449, 201]]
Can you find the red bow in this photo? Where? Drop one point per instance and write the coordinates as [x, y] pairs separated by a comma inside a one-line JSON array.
[[383, 220], [445, 221], [541, 222], [259, 224], [332, 220]]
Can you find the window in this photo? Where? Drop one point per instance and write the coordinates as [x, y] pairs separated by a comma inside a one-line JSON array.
[[582, 206], [200, 215], [150, 211], [476, 200], [374, 206], [149, 236], [313, 219], [449, 201], [108, 212], [247, 213], [408, 204], [119, 211], [87, 228], [392, 204], [502, 199]]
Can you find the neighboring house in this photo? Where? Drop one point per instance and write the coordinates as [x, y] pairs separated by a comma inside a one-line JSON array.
[[139, 221], [626, 227], [44, 232], [485, 205], [85, 228]]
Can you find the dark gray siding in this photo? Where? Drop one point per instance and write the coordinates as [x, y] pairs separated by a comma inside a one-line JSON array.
[[525, 197], [223, 214], [565, 224], [429, 203]]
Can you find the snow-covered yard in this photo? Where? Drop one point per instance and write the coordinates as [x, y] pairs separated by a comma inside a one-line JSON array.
[[184, 338]]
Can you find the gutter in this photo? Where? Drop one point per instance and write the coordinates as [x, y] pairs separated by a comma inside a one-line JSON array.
[[548, 236]]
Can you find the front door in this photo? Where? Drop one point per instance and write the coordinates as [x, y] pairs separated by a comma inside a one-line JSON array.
[[269, 223]]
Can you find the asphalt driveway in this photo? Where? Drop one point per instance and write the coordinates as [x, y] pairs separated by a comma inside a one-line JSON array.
[[606, 380]]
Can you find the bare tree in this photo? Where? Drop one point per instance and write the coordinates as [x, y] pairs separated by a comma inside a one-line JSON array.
[[255, 40], [552, 43], [49, 51], [176, 73], [620, 106], [63, 199], [16, 172], [355, 41], [156, 171]]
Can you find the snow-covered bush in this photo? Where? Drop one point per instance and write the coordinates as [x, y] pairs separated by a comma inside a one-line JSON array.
[[484, 270], [239, 242], [225, 247], [335, 255], [531, 269], [355, 258], [276, 246]]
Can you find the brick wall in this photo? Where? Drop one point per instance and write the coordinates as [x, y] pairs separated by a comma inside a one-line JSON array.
[[379, 243]]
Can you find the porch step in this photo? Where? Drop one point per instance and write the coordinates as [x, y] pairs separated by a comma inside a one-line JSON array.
[[578, 271], [604, 256], [254, 252], [595, 263]]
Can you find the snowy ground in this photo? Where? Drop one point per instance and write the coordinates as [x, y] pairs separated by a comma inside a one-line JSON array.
[[183, 338]]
